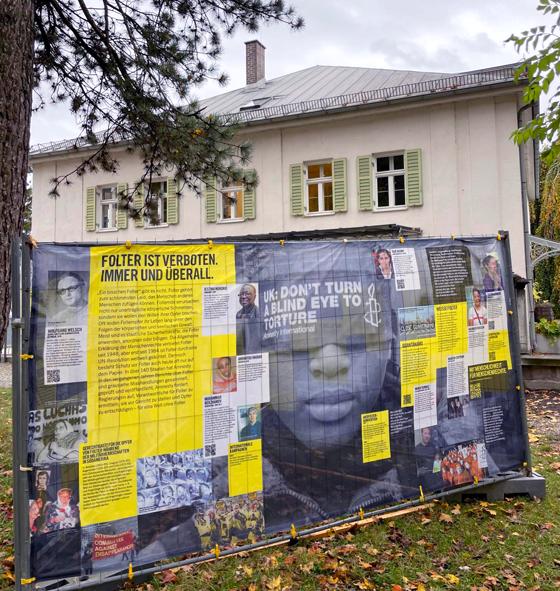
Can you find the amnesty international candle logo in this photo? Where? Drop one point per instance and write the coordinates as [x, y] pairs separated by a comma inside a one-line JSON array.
[[373, 308]]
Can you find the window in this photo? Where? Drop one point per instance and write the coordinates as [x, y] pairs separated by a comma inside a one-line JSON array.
[[390, 181], [107, 207], [231, 203], [158, 193], [319, 187]]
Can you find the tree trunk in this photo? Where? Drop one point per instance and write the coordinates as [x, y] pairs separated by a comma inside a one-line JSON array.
[[16, 87]]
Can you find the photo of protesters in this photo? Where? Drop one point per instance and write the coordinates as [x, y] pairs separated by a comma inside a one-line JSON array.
[[63, 513], [109, 545], [461, 465], [248, 320], [70, 304], [56, 431], [249, 423], [224, 378], [477, 313], [61, 443], [230, 521], [383, 262], [492, 280], [417, 323], [180, 479]]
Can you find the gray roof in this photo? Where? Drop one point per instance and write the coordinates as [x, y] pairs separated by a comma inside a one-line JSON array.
[[320, 89], [317, 82]]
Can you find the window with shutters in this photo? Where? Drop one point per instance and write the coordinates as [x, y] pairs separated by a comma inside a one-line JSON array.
[[389, 184], [157, 191], [230, 205], [319, 188], [106, 197]]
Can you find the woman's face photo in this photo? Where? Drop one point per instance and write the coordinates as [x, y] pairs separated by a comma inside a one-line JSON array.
[[384, 260], [492, 265], [476, 297], [323, 392]]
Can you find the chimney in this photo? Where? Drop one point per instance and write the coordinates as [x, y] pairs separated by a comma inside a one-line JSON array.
[[254, 60]]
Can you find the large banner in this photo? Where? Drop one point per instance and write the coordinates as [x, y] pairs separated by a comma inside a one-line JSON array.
[[188, 395]]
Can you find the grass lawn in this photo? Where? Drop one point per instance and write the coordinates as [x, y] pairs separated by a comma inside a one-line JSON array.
[[512, 545]]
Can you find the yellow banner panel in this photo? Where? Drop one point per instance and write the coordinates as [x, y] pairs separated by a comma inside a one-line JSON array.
[[451, 330], [107, 481], [498, 346], [245, 467], [418, 366], [148, 360], [376, 443]]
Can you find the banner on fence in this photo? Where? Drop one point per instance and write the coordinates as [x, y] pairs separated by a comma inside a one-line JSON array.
[[183, 396]]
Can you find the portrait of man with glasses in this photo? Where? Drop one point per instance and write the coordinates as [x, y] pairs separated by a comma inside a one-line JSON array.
[[71, 299]]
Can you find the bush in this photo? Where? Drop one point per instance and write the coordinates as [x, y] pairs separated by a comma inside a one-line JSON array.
[[549, 329]]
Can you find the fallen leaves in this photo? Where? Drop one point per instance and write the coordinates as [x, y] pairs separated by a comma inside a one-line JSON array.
[[168, 576]]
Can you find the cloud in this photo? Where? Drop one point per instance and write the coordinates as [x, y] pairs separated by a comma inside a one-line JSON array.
[[435, 35]]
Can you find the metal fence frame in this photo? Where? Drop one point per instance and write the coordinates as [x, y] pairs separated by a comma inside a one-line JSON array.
[[21, 314]]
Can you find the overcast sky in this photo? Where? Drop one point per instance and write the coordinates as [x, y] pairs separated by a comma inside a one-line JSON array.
[[434, 35]]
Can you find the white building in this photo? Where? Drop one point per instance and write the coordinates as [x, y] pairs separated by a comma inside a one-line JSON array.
[[333, 147]]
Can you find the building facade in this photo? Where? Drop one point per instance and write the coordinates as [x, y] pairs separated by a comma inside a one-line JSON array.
[[332, 148]]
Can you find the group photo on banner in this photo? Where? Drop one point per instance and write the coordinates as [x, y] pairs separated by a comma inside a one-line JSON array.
[[183, 396]]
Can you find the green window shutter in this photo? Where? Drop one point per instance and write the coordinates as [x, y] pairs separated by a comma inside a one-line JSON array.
[[172, 201], [413, 167], [365, 187], [249, 200], [211, 200], [90, 209], [138, 202], [340, 193], [122, 214], [296, 189]]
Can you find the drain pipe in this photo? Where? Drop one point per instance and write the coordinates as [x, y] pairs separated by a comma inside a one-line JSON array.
[[527, 227]]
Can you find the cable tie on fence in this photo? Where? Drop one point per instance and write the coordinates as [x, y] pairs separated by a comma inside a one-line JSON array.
[[27, 581], [401, 239], [25, 469], [361, 513], [128, 245], [476, 480], [421, 497], [25, 357], [293, 532], [282, 242], [499, 236], [130, 573], [510, 312], [518, 387], [210, 243], [216, 551], [452, 236]]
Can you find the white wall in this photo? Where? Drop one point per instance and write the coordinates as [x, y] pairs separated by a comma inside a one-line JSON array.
[[471, 176]]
